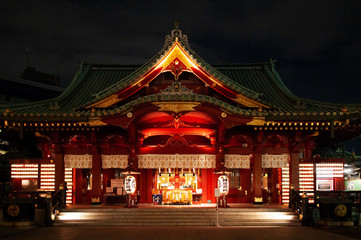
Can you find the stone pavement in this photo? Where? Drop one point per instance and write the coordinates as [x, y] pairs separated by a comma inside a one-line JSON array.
[[175, 233]]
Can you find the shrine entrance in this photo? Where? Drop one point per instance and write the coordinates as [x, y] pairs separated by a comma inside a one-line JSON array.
[[271, 186], [275, 179], [178, 187], [82, 182]]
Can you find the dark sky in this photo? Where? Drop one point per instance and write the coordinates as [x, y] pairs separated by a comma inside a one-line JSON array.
[[317, 44]]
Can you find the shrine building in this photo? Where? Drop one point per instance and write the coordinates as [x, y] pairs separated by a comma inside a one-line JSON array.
[[176, 124]]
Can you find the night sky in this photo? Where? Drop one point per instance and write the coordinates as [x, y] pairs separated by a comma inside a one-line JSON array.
[[317, 44]]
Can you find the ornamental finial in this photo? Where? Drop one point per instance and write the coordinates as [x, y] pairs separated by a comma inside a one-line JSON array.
[[176, 35]]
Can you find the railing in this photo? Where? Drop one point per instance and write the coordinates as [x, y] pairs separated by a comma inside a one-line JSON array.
[[50, 202], [314, 207], [54, 203]]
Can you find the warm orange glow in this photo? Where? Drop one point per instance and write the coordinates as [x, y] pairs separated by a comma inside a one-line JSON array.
[[69, 181], [329, 170], [177, 51], [47, 177], [24, 171], [180, 131], [306, 178], [285, 184]]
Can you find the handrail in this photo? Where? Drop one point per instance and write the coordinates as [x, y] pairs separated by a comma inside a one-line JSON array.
[[300, 205], [305, 202], [52, 202]]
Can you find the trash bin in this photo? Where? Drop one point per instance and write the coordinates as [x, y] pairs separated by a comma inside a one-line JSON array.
[[131, 201], [335, 210], [157, 199], [222, 202]]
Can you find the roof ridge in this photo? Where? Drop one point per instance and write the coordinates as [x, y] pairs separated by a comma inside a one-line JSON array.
[[237, 65]]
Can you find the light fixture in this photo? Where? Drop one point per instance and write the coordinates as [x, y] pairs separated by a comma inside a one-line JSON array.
[[222, 169], [130, 169]]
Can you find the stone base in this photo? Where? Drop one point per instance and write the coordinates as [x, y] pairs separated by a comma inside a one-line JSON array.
[[336, 223], [17, 224]]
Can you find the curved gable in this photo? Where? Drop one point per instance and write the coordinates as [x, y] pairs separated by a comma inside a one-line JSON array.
[[176, 58]]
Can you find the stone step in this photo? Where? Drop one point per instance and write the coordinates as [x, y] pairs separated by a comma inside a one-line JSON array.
[[69, 224], [161, 209], [198, 223], [176, 216], [171, 216]]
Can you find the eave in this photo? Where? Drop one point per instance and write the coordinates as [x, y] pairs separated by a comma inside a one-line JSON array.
[[176, 53]]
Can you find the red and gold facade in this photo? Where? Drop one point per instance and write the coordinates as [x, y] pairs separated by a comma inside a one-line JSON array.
[[175, 121]]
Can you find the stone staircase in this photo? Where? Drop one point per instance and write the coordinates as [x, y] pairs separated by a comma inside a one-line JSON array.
[[257, 216]]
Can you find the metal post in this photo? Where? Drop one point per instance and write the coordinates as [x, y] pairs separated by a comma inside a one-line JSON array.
[[62, 192], [48, 210], [217, 212], [305, 217], [290, 203], [217, 193]]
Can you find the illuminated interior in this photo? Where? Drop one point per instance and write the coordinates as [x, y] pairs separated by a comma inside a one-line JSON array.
[[286, 185], [168, 181], [69, 183], [329, 170], [177, 188], [47, 177], [306, 178], [24, 171]]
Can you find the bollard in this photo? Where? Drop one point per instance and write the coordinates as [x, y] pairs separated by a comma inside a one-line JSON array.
[[290, 202], [48, 221], [62, 196], [305, 212]]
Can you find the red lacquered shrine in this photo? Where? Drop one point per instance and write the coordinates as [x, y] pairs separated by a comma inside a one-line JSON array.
[[178, 121]]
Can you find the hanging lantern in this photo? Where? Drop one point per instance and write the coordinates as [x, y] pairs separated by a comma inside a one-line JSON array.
[[223, 184], [130, 184]]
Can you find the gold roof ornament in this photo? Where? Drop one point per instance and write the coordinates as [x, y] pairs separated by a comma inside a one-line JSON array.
[[176, 107]]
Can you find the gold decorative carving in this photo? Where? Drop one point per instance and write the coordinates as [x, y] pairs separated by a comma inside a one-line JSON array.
[[13, 210], [257, 121], [105, 102], [125, 123], [249, 102], [176, 107], [95, 121], [315, 134], [258, 199]]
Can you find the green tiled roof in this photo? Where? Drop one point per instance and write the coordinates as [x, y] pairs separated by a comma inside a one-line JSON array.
[[263, 78], [333, 153], [259, 82]]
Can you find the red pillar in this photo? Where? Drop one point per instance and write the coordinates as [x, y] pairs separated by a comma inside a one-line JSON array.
[[59, 166], [309, 146], [211, 185], [96, 172], [142, 184], [245, 183], [204, 186], [150, 185], [145, 185], [294, 171], [257, 178]]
